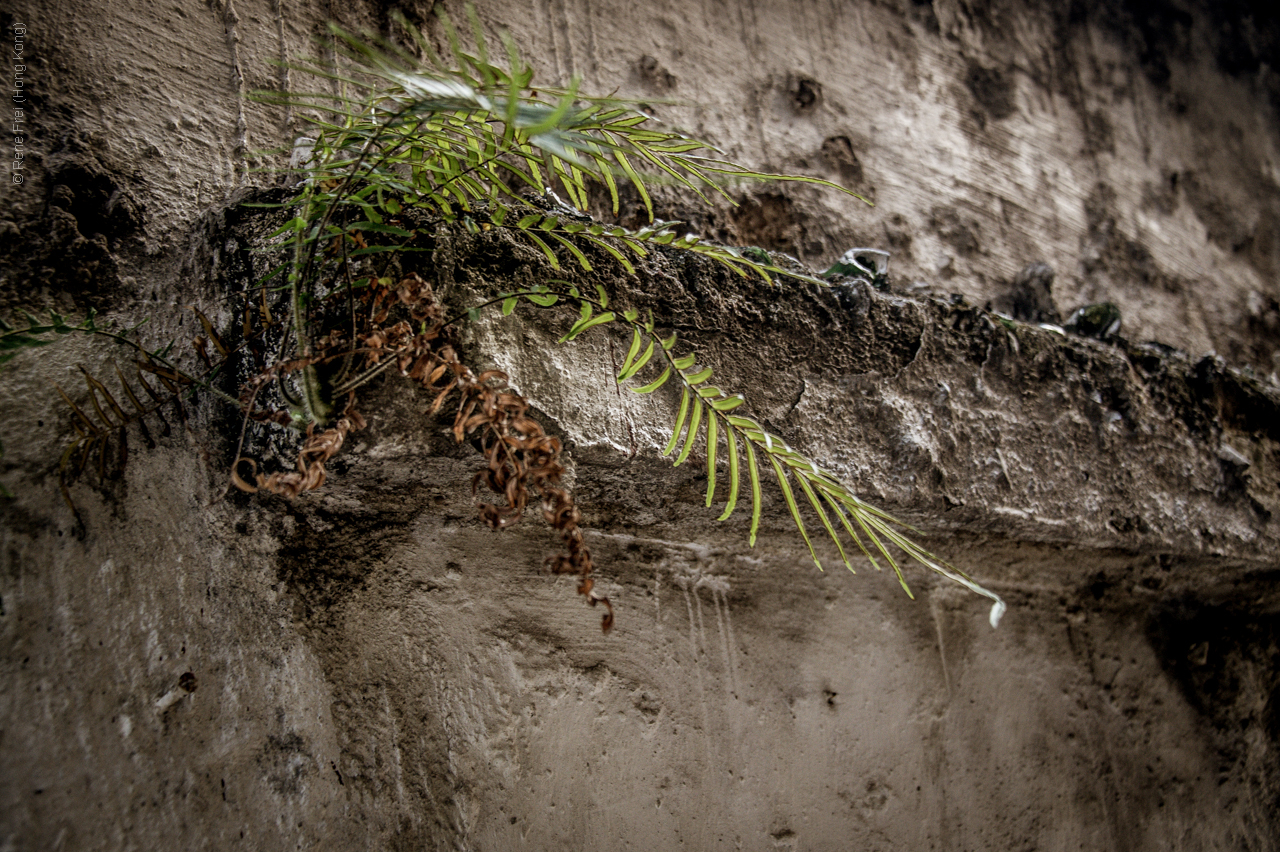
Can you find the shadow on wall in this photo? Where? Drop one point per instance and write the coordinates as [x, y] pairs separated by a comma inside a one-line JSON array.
[[1226, 661]]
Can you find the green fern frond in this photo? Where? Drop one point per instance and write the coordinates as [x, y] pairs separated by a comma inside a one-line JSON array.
[[706, 412], [463, 137], [38, 333]]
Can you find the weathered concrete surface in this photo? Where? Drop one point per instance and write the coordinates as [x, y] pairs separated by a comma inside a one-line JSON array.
[[375, 669], [990, 135]]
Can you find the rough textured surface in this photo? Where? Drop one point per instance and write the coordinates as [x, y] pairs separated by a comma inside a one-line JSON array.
[[375, 669]]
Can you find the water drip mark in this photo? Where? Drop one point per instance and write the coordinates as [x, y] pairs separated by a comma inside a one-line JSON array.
[[721, 600], [229, 21], [281, 55]]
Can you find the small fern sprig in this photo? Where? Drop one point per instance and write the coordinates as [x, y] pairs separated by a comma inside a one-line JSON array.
[[707, 412], [109, 421], [36, 333], [157, 361], [102, 423]]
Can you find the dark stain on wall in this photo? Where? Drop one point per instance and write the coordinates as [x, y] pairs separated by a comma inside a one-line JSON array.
[[993, 89], [1227, 664]]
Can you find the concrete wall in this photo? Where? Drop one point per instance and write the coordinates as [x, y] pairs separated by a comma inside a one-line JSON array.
[[374, 669]]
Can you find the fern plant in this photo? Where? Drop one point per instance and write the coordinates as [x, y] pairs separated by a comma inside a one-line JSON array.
[[402, 144], [468, 140]]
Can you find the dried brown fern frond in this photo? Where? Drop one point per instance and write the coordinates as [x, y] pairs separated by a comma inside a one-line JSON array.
[[102, 433], [522, 462], [316, 450]]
